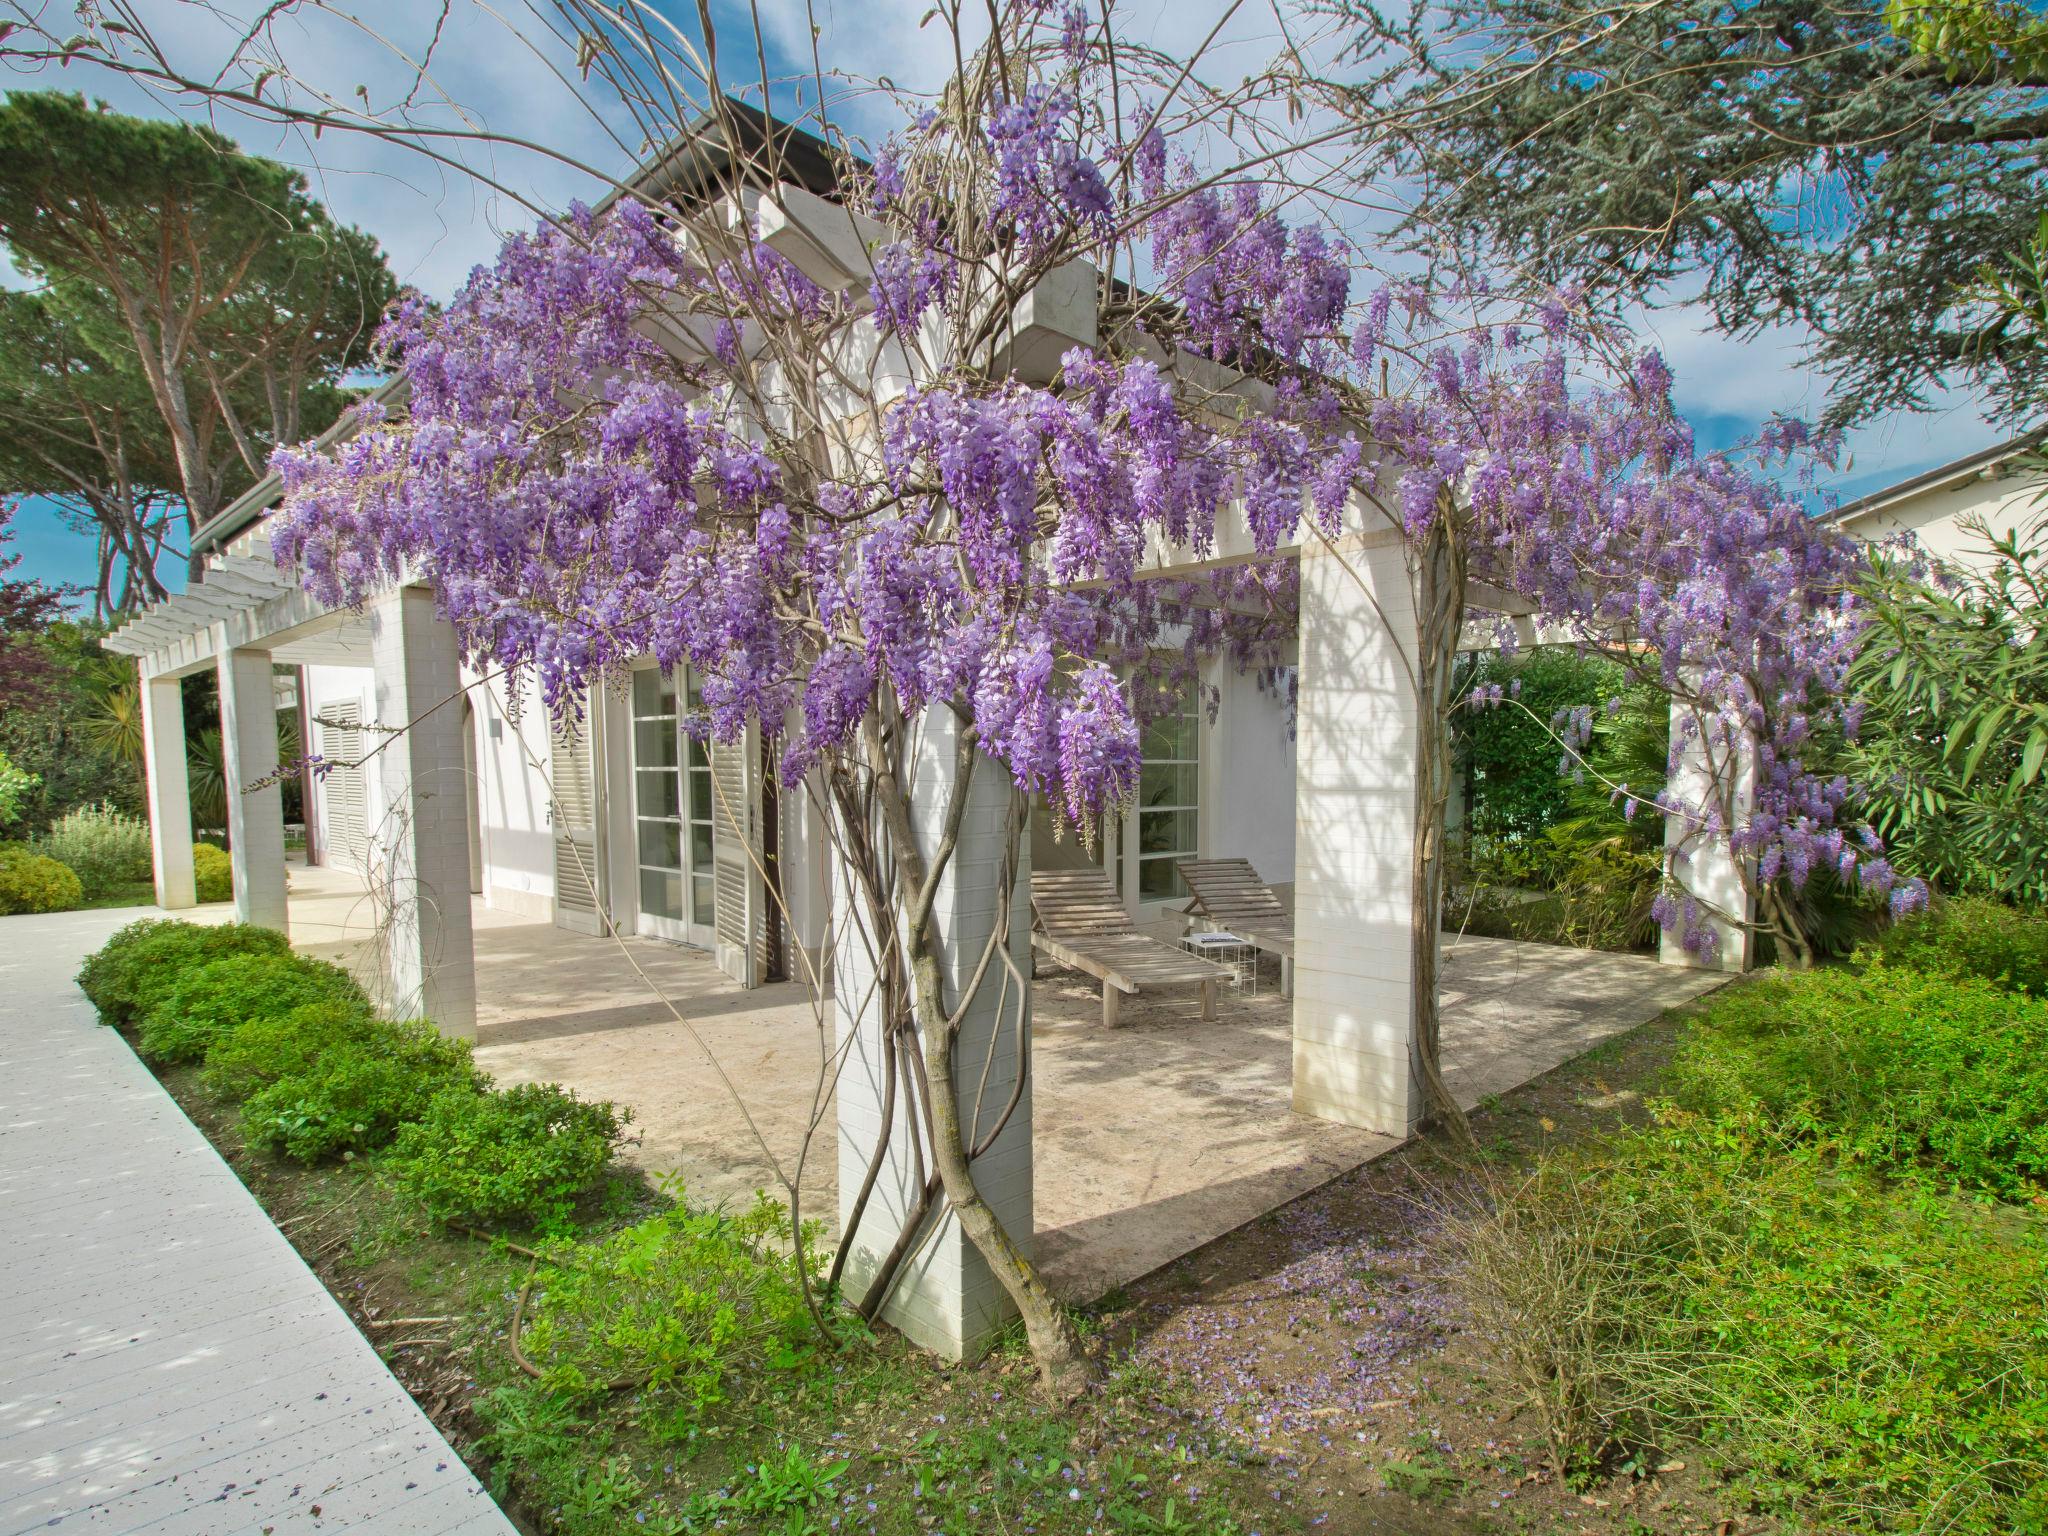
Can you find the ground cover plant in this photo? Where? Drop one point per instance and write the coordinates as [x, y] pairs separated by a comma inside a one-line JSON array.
[[1821, 1258]]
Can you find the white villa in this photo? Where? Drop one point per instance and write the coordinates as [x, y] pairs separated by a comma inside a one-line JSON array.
[[477, 800]]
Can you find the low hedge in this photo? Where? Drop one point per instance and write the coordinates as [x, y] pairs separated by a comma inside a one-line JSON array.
[[31, 882], [213, 873], [129, 974], [521, 1156], [211, 1001], [354, 1094]]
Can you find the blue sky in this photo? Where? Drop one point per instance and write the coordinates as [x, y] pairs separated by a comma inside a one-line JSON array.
[[436, 223]]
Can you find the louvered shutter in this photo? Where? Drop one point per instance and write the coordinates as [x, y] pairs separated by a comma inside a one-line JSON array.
[[341, 742], [575, 809], [736, 855]]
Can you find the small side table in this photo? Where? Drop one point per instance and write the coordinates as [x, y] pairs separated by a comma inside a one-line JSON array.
[[1230, 951]]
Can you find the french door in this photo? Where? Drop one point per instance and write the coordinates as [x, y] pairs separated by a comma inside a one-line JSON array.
[[672, 801]]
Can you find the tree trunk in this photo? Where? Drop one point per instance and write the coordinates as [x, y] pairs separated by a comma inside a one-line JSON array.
[[1440, 614], [1063, 1362]]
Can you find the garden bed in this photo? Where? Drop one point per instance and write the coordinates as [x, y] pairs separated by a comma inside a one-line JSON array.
[[1325, 1368]]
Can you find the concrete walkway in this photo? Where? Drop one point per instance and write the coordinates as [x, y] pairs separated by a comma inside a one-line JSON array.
[[168, 1364]]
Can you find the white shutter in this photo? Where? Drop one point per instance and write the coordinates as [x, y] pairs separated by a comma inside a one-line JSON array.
[[341, 742], [736, 855], [575, 815]]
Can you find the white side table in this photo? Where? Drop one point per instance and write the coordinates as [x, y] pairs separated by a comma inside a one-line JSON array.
[[1227, 950]]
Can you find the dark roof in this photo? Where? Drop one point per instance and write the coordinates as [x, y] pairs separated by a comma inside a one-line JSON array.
[[1956, 469]]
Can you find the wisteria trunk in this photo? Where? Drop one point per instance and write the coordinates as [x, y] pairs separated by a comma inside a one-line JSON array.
[[1063, 1364], [1440, 571]]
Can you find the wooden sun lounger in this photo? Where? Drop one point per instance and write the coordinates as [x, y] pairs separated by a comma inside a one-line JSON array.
[[1230, 894], [1079, 922]]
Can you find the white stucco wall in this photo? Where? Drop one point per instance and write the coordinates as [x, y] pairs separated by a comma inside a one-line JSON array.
[[1248, 777], [1934, 517], [514, 805]]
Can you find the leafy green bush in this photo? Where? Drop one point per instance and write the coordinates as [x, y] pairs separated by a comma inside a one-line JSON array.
[[1863, 1356], [103, 847], [355, 1095], [16, 785], [130, 973], [1895, 1068], [1972, 936], [285, 1045], [683, 1305], [29, 882], [215, 999], [522, 1155], [213, 873]]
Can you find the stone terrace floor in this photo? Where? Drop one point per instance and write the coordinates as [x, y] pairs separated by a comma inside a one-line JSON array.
[[1150, 1140]]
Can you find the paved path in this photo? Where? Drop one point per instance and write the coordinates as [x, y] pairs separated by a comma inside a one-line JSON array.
[[168, 1364]]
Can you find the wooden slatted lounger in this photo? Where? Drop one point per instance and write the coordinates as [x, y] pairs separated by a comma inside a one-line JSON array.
[[1078, 922], [1230, 894]]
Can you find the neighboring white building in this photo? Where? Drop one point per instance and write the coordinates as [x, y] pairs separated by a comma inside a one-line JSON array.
[[1937, 507]]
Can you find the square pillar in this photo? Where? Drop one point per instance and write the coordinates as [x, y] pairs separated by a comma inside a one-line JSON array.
[[1357, 745], [1713, 779], [945, 1297], [169, 790], [420, 850], [248, 735]]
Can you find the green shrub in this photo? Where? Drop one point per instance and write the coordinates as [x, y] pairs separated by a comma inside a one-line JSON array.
[[213, 1000], [1895, 1068], [285, 1045], [684, 1305], [213, 873], [519, 1156], [1862, 1355], [1972, 936], [103, 847], [29, 882], [356, 1094], [130, 973]]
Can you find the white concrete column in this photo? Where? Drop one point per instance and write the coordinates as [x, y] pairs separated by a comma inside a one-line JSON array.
[[1357, 745], [1697, 857], [944, 1297], [248, 734], [169, 791], [419, 851]]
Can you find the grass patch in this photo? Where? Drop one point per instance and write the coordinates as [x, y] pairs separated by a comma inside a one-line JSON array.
[[1823, 1258]]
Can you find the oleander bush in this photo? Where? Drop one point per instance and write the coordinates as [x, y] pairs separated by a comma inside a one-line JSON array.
[[1971, 936], [518, 1156], [353, 1096], [32, 882], [213, 873], [1902, 1070], [104, 847], [211, 1001], [130, 973]]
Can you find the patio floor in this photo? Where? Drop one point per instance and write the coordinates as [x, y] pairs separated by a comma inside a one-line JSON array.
[[1149, 1140]]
